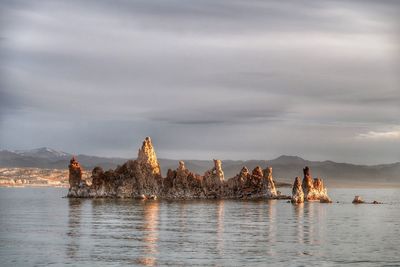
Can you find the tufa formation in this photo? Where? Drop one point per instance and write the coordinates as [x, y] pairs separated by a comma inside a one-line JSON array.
[[141, 178], [297, 192], [75, 173], [310, 189]]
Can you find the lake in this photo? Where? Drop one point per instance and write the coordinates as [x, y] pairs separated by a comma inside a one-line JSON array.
[[38, 227]]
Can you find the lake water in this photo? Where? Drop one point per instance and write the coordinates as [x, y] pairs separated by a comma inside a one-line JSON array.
[[39, 228]]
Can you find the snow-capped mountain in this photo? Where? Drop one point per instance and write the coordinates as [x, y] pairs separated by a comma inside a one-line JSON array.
[[43, 153]]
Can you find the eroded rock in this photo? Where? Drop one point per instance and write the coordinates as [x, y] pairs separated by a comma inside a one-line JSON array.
[[357, 200], [78, 187], [268, 183], [75, 172], [147, 157], [314, 189], [297, 192], [141, 179]]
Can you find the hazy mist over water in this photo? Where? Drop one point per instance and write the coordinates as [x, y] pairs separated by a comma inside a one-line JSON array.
[[39, 228]]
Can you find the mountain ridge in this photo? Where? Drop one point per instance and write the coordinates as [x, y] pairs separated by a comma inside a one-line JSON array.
[[285, 167]]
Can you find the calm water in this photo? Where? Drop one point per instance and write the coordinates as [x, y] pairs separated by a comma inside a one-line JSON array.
[[39, 227]]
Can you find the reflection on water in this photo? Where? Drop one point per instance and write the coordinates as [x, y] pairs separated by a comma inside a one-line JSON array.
[[220, 227], [271, 232], [299, 222], [150, 232], [39, 229], [74, 224]]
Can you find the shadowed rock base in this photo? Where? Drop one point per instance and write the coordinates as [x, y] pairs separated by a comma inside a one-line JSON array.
[[141, 178]]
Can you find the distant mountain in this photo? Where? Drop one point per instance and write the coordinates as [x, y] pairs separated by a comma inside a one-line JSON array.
[[52, 159], [285, 168], [43, 152]]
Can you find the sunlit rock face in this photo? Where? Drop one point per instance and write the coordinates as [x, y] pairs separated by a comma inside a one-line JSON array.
[[268, 183], [314, 189], [181, 177], [254, 184], [297, 192], [307, 184], [258, 184], [147, 157], [216, 174], [358, 200], [214, 181]]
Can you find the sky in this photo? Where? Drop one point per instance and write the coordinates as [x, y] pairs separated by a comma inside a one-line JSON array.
[[205, 79]]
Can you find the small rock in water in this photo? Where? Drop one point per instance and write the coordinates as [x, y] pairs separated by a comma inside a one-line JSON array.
[[357, 200]]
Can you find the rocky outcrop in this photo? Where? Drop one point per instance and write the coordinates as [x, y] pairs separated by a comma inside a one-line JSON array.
[[215, 176], [238, 183], [358, 200], [314, 189], [258, 184], [297, 192], [75, 172], [147, 157], [135, 179], [268, 182], [182, 184], [78, 187], [141, 178]]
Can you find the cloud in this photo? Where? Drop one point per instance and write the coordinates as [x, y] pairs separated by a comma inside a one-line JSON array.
[[238, 79], [391, 135]]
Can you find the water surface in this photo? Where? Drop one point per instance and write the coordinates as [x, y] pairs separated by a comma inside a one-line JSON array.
[[39, 228]]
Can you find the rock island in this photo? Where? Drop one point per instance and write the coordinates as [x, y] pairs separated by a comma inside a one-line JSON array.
[[141, 178]]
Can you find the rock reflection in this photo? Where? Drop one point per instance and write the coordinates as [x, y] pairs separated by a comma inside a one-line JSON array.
[[299, 231], [220, 227], [74, 227], [309, 219], [272, 229], [150, 231], [308, 223]]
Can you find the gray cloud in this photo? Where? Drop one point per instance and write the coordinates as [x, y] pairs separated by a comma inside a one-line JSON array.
[[229, 79]]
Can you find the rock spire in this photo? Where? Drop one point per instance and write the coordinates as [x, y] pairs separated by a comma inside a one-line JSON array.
[[313, 189], [75, 173], [269, 185], [147, 156], [297, 192]]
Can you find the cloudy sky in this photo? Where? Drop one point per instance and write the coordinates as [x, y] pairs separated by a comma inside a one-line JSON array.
[[205, 79]]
